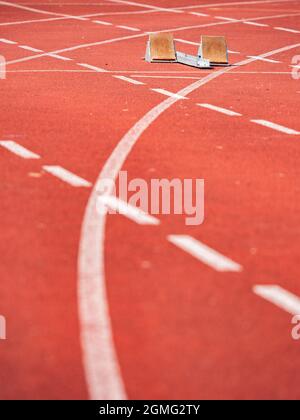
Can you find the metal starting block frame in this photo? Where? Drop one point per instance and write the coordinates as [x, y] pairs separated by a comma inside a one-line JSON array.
[[161, 49]]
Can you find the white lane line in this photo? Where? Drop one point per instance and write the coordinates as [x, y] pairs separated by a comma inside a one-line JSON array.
[[129, 80], [125, 209], [18, 150], [276, 127], [204, 253], [102, 22], [255, 24], [167, 93], [129, 28], [147, 6], [219, 109], [294, 31], [59, 57], [236, 3], [100, 362], [184, 41], [198, 14], [26, 47], [43, 12], [65, 4], [280, 297], [7, 41], [232, 3], [268, 60], [226, 18], [124, 38], [66, 176], [170, 77], [149, 76], [21, 22], [88, 66]]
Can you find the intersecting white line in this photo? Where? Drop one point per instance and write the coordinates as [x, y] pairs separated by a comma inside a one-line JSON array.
[[279, 297], [18, 150]]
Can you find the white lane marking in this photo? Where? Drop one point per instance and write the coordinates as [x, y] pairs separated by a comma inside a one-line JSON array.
[[146, 76], [276, 127], [294, 31], [82, 17], [146, 6], [268, 60], [206, 25], [129, 28], [204, 253], [219, 109], [66, 176], [129, 80], [226, 18], [43, 12], [21, 22], [255, 24], [167, 93], [18, 150], [198, 14], [128, 37], [88, 66], [65, 4], [102, 22], [7, 41], [170, 77], [131, 212], [26, 47], [232, 3], [59, 57], [280, 297], [184, 41], [134, 12], [100, 362]]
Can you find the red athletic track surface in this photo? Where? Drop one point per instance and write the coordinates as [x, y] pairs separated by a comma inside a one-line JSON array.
[[180, 328]]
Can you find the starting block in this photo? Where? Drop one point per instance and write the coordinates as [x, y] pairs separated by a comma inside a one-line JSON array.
[[212, 50], [161, 49]]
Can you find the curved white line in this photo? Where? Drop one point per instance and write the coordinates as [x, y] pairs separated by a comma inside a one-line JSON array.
[[124, 38], [40, 11], [102, 371]]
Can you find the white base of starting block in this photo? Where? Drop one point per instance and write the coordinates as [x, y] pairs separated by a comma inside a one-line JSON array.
[[192, 60]]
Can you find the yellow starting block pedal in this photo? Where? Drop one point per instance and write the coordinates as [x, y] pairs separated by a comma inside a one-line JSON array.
[[161, 48], [214, 49]]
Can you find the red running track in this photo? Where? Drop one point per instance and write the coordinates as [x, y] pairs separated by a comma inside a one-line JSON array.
[[101, 306]]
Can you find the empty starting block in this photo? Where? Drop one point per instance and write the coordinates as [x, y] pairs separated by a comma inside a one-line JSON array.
[[214, 49], [161, 49]]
